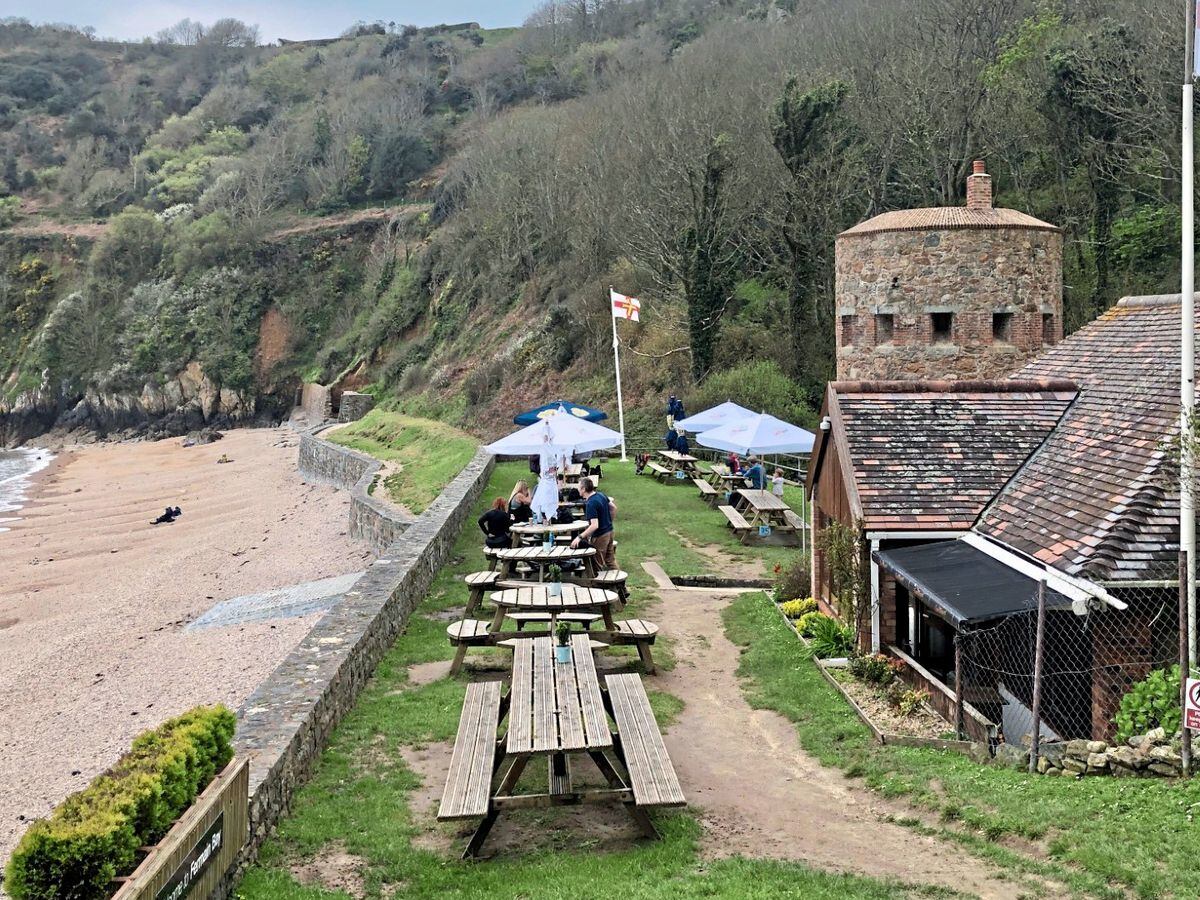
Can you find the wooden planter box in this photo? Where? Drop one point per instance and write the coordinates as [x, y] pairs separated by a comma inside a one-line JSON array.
[[194, 856]]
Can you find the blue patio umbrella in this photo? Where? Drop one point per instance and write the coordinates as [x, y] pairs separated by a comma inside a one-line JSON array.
[[577, 410]]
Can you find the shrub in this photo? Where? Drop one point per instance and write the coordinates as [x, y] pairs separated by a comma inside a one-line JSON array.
[[1151, 703], [806, 622], [93, 836], [794, 609], [909, 700], [828, 637], [873, 668], [760, 386], [794, 579]]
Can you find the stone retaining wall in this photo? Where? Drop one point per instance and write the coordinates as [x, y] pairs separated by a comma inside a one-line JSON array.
[[370, 520], [287, 721]]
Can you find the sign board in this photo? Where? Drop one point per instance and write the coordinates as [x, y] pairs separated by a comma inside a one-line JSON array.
[[1191, 704], [680, 474], [193, 866], [764, 530]]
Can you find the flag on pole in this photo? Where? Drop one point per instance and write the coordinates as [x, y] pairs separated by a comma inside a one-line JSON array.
[[625, 307]]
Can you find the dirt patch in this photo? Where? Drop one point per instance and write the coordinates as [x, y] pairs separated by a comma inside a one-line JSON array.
[[784, 804], [426, 673], [274, 340], [725, 563], [333, 869]]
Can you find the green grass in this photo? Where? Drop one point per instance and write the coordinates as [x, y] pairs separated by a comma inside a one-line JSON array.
[[358, 798], [428, 454], [1103, 834]]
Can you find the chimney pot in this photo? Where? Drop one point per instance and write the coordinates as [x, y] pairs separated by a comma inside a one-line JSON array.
[[979, 187]]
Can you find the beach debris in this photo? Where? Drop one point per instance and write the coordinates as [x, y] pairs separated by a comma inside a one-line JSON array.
[[170, 514]]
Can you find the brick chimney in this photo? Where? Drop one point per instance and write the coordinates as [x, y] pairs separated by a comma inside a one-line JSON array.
[[979, 188]]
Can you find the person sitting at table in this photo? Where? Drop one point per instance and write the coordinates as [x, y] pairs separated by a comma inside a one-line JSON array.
[[735, 464], [521, 504], [598, 512], [495, 524], [756, 475], [567, 493], [681, 442]]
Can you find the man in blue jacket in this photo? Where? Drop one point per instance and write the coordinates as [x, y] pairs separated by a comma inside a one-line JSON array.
[[756, 475]]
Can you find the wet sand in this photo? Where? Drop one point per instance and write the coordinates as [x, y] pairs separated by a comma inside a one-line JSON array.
[[94, 599]]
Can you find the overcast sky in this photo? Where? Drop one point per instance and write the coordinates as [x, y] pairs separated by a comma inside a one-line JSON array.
[[296, 20]]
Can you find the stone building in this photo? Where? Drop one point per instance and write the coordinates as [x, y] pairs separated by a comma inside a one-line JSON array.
[[969, 292]]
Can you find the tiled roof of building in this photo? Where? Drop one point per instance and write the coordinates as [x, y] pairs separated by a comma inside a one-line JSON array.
[[943, 218], [930, 455], [1096, 499]]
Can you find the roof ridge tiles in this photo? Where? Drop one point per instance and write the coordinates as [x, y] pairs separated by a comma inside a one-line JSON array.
[[945, 386]]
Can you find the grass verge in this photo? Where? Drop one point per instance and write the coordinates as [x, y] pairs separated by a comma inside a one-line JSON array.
[[1101, 836]]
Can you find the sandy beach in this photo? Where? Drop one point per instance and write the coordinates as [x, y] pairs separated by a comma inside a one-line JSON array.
[[94, 600]]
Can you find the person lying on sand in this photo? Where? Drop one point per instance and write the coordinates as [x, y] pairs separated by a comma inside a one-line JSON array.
[[168, 515]]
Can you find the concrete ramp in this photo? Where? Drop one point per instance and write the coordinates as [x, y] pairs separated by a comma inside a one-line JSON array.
[[281, 603]]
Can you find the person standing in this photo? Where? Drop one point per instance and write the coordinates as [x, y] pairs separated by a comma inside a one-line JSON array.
[[777, 483], [598, 513]]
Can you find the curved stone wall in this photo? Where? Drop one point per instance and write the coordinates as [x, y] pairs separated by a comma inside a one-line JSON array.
[[370, 520]]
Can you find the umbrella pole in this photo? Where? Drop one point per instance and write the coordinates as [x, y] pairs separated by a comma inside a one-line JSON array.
[[620, 402]]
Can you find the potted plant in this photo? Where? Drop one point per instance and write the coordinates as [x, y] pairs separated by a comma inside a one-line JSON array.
[[554, 580], [562, 650]]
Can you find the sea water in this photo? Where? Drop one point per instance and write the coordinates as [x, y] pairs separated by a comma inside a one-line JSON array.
[[16, 467]]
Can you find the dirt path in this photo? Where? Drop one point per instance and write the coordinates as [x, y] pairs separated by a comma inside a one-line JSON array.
[[760, 795]]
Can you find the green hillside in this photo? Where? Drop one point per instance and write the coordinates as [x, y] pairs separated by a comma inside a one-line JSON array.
[[435, 215]]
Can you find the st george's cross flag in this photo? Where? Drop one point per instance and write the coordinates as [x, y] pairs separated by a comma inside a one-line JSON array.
[[625, 307]]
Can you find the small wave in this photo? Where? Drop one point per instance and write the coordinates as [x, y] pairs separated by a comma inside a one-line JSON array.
[[16, 468]]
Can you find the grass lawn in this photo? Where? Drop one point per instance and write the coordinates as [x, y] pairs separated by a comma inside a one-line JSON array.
[[427, 454], [358, 798], [1115, 833]]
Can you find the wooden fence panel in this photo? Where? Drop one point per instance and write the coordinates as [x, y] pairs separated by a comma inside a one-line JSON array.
[[189, 863]]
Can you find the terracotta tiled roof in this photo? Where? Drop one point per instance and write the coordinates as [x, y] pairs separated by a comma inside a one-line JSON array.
[[931, 455], [1095, 499], [942, 218]]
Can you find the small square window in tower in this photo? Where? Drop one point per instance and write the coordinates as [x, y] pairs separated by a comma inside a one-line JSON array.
[[847, 331], [1002, 326], [942, 324], [884, 325], [1048, 330]]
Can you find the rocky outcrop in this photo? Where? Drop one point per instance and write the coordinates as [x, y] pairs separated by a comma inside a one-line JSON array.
[[178, 405]]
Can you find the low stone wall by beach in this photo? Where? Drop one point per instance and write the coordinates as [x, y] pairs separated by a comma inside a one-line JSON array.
[[370, 520], [287, 721]]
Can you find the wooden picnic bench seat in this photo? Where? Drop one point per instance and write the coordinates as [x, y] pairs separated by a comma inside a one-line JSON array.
[[463, 634], [479, 583], [524, 618], [468, 792], [641, 634], [736, 520], [793, 520], [651, 774], [612, 580], [707, 491], [491, 554], [659, 472]]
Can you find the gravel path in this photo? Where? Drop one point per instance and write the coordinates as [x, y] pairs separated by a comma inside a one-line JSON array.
[[94, 600]]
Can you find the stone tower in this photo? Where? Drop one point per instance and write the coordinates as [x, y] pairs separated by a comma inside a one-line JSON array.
[[947, 293]]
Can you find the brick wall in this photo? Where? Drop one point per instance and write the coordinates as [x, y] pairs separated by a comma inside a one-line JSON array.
[[971, 274]]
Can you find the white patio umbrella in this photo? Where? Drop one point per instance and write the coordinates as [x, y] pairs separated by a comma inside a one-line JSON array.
[[560, 435], [722, 414], [762, 434]]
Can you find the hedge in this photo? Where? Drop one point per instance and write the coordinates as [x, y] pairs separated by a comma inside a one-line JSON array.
[[93, 836]]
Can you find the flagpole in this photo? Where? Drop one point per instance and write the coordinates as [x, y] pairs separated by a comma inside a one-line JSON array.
[[1187, 379], [617, 366]]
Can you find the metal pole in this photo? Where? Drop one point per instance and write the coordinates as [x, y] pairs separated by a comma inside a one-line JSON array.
[[1187, 355], [617, 365], [1035, 738], [958, 686], [1185, 751]]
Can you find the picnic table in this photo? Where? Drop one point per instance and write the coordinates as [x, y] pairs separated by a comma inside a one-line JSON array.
[[764, 508], [540, 557], [684, 461], [537, 598], [532, 529], [557, 710]]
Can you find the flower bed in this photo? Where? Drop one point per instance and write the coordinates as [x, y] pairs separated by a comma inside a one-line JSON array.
[[922, 722]]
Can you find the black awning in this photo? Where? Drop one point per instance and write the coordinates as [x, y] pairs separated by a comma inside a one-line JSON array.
[[964, 585]]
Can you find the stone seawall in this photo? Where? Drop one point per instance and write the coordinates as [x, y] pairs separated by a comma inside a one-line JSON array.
[[376, 523], [287, 721]]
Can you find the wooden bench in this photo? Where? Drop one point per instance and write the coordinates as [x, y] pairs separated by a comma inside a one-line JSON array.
[[662, 474], [708, 493], [641, 634], [651, 774], [612, 580], [524, 618], [468, 792], [464, 634], [490, 554], [736, 521], [793, 520], [479, 583]]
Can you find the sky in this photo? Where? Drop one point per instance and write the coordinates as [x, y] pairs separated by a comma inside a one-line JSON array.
[[296, 20]]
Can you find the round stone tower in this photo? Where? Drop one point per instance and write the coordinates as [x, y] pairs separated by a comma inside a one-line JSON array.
[[948, 292]]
